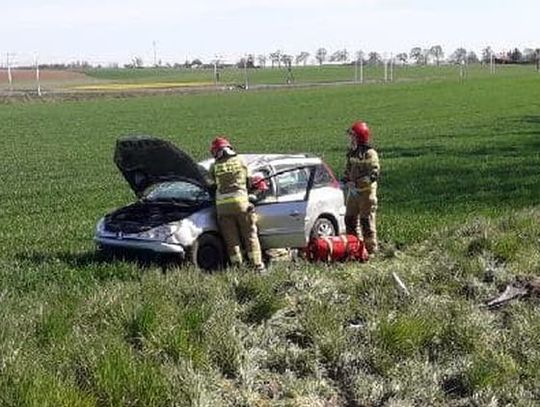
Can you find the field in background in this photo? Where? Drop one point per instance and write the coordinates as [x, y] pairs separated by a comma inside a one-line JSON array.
[[133, 80], [457, 220]]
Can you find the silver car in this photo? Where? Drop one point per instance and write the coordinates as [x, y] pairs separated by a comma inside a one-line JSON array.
[[175, 211]]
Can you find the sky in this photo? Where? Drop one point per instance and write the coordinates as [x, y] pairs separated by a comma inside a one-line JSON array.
[[107, 31]]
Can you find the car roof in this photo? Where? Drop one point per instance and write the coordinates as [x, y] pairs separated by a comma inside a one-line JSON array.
[[257, 160]]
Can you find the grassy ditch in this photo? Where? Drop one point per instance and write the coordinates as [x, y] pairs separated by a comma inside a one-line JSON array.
[[458, 221]]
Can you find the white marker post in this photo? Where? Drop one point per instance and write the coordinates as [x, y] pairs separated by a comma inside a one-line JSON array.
[[361, 70], [491, 64], [10, 79], [38, 84], [385, 71], [246, 83], [356, 71], [391, 68]]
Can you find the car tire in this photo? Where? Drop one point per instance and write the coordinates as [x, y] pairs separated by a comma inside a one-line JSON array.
[[323, 227], [208, 252]]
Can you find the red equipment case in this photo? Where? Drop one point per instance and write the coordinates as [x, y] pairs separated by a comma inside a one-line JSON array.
[[337, 248]]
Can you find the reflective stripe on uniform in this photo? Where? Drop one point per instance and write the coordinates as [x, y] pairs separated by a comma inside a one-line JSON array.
[[232, 199], [229, 166]]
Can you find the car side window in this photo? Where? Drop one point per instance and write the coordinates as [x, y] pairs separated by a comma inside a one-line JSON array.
[[292, 185]]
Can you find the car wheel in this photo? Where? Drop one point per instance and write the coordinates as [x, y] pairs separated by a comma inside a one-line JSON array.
[[208, 252], [323, 227]]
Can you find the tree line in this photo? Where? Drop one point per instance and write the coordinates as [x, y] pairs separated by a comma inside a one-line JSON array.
[[434, 55], [417, 55]]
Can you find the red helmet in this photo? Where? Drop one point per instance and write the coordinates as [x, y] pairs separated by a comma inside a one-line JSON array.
[[218, 144], [361, 131], [259, 182]]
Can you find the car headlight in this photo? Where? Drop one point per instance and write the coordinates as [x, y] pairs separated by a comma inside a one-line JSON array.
[[100, 226], [161, 233]]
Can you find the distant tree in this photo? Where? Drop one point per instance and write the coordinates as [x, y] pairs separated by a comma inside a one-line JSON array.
[[341, 55], [459, 56], [287, 59], [137, 62], [426, 53], [79, 65], [275, 57], [486, 55], [515, 55], [262, 60], [416, 55], [246, 62], [301, 58], [374, 58], [437, 52], [402, 57], [359, 56], [529, 55], [320, 55], [472, 58]]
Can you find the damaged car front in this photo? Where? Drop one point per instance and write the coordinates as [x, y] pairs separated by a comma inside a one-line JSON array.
[[174, 205]]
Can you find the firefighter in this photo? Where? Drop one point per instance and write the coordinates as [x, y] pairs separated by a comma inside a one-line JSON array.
[[235, 214], [361, 174]]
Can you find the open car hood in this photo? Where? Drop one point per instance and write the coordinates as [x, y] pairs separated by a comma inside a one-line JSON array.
[[146, 160]]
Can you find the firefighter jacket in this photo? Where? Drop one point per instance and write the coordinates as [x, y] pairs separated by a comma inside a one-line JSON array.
[[362, 168], [230, 175]]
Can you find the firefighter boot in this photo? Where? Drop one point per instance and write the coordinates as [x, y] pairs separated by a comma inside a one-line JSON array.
[[369, 233]]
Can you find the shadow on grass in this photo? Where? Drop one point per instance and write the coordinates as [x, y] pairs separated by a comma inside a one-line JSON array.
[[88, 259], [531, 119]]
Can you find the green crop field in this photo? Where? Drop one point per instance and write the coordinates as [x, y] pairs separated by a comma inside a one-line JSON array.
[[301, 74], [458, 216]]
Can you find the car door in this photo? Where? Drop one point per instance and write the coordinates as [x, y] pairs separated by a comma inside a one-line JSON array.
[[282, 216]]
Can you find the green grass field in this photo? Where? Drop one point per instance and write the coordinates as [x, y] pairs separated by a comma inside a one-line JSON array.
[[300, 74], [458, 220]]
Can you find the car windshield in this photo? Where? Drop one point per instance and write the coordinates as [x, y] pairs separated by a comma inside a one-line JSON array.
[[180, 191]]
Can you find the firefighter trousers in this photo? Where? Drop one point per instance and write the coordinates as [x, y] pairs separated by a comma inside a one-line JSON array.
[[240, 229], [361, 208]]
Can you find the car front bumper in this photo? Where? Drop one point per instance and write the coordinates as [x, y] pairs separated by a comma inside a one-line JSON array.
[[139, 244]]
